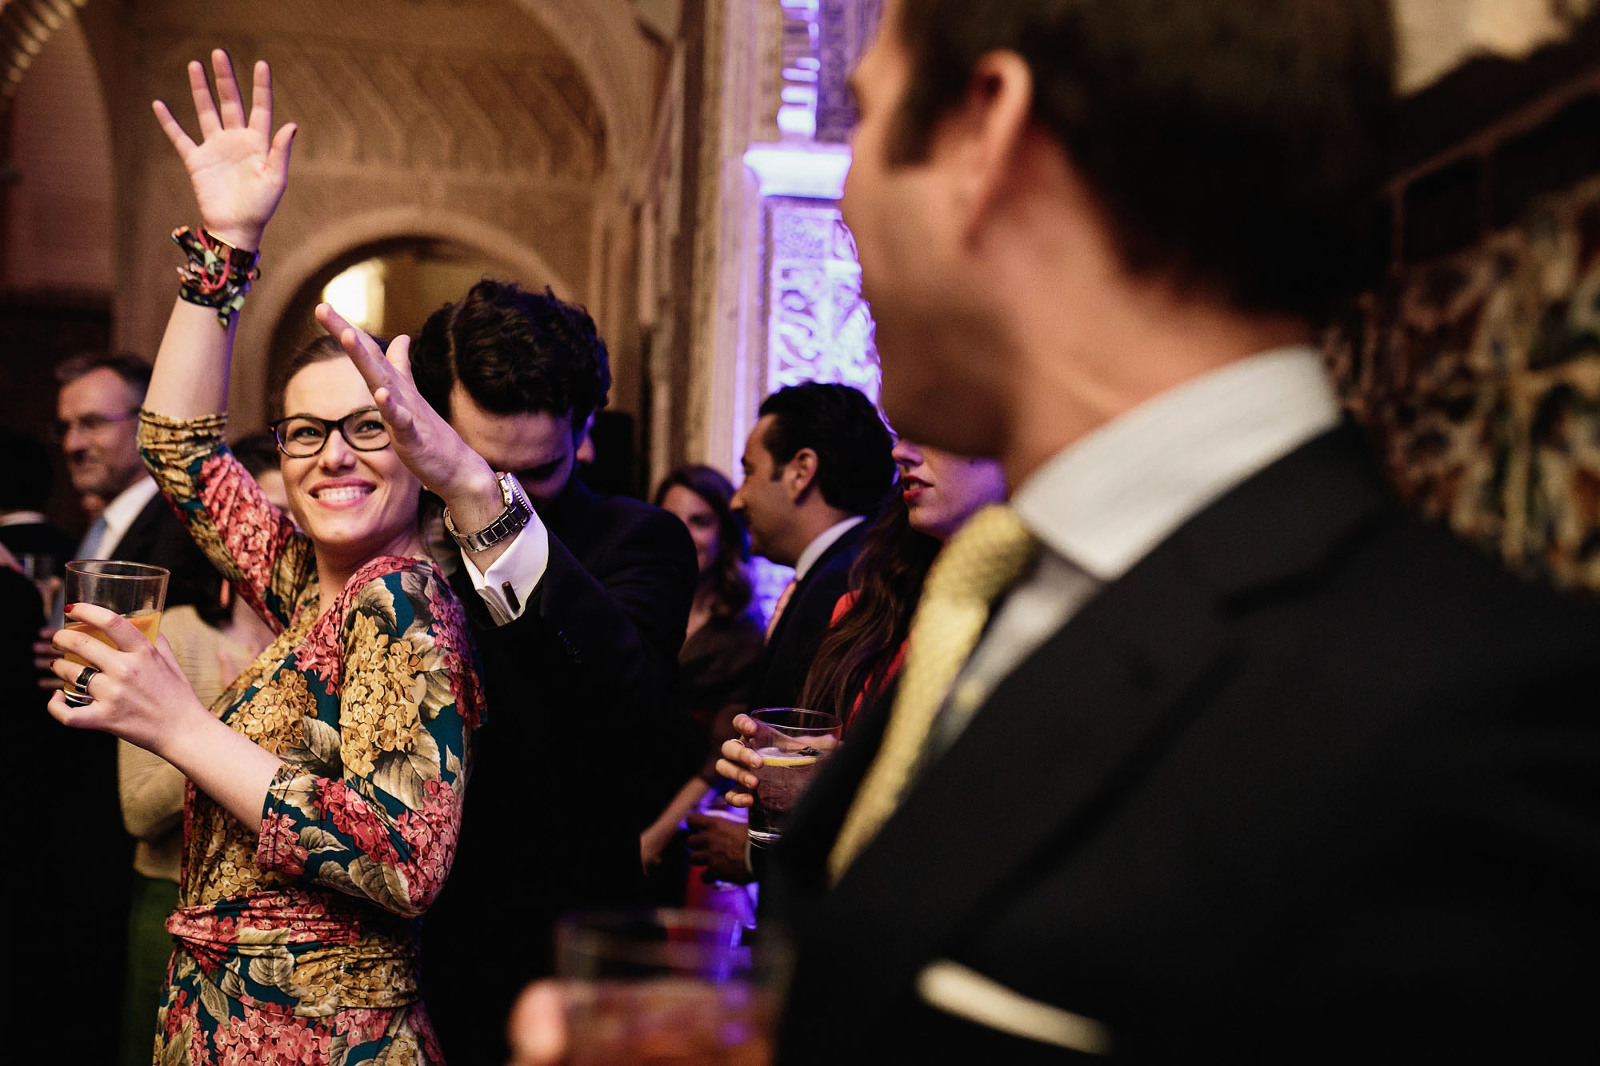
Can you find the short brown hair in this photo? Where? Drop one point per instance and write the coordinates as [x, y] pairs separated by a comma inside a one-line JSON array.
[[1233, 144], [316, 350], [127, 366]]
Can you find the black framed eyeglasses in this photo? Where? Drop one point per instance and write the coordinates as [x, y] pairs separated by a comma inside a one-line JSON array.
[[91, 423], [303, 436]]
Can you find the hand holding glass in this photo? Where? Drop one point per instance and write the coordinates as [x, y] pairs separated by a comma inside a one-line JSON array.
[[653, 988], [791, 742], [134, 590]]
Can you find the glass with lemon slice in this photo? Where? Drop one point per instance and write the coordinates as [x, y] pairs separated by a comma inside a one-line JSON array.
[[792, 742]]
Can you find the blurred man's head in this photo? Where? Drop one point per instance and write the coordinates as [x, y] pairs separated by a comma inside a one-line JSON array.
[[97, 420], [519, 375], [1210, 150], [817, 455]]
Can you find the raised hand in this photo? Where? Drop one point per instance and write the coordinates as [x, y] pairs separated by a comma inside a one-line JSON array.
[[424, 441], [240, 168]]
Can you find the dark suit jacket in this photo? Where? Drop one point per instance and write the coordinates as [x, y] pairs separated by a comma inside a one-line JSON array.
[[1311, 782], [588, 667], [158, 538], [77, 846], [805, 620]]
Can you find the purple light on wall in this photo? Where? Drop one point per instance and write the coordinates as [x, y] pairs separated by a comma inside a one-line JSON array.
[[800, 169]]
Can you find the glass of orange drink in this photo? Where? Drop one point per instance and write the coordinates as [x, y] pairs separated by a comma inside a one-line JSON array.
[[136, 591]]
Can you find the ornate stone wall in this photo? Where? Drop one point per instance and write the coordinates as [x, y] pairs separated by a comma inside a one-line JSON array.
[[513, 127], [818, 326]]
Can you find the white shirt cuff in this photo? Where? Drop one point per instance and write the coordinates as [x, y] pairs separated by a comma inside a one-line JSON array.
[[511, 578]]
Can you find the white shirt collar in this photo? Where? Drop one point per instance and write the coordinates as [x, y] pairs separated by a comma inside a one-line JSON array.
[[121, 511], [1105, 501], [821, 543]]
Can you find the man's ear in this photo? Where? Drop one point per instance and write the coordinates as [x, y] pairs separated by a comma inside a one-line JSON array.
[[583, 441], [800, 474], [986, 133]]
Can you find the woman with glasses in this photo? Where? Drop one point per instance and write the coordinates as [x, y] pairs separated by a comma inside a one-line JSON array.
[[325, 783]]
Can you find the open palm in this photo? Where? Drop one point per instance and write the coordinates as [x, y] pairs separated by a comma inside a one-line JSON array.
[[239, 168]]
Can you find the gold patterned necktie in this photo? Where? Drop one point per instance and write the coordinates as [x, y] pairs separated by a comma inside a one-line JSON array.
[[984, 559]]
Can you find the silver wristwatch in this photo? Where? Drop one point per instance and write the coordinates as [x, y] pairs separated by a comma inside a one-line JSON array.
[[516, 514]]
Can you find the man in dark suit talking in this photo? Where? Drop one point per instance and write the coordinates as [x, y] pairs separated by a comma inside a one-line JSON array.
[[816, 466], [1203, 749]]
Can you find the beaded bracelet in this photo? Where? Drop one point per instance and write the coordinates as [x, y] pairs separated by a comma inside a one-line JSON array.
[[217, 274]]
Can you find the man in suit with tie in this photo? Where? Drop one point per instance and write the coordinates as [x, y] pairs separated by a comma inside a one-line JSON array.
[[1204, 750], [579, 603], [817, 463], [97, 420]]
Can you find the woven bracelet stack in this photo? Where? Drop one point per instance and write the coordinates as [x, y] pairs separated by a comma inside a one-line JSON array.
[[217, 274]]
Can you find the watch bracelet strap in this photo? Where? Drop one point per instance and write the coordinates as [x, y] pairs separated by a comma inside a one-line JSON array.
[[513, 517]]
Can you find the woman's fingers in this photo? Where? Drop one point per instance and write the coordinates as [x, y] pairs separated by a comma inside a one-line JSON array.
[[387, 374], [230, 103], [261, 99], [278, 154], [205, 108], [124, 636], [399, 357], [735, 772], [68, 715], [736, 752], [172, 128], [69, 671]]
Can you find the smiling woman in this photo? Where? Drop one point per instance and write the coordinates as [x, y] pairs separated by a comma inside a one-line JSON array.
[[326, 781]]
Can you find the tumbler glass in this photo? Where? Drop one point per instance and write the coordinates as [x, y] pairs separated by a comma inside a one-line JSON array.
[[792, 742]]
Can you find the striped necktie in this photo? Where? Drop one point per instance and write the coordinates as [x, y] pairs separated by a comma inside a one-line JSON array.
[[976, 567]]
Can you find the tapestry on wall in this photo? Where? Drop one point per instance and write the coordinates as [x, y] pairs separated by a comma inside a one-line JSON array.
[[1479, 377]]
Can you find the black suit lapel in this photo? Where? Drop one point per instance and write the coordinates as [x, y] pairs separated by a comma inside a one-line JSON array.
[[139, 542], [1058, 741], [846, 541]]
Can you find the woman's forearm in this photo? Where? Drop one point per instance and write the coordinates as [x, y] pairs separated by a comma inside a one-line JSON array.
[[190, 378], [229, 767]]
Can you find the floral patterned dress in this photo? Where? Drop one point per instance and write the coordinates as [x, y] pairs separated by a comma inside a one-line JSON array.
[[297, 938]]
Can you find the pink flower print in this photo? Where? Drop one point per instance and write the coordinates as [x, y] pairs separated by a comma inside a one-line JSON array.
[[431, 834], [355, 819], [263, 1038], [280, 845], [362, 1025], [248, 526]]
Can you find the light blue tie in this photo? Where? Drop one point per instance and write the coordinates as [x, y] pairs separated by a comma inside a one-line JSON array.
[[90, 547]]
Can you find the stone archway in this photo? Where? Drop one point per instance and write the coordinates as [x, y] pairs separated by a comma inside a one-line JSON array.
[[275, 294]]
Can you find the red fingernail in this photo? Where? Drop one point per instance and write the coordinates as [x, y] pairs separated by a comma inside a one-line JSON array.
[[70, 607]]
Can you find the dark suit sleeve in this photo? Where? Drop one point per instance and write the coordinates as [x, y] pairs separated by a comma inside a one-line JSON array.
[[619, 623]]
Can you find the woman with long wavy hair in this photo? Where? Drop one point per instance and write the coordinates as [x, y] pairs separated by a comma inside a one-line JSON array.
[[861, 655], [862, 652], [719, 664]]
